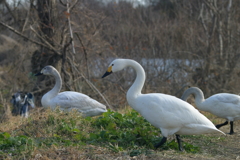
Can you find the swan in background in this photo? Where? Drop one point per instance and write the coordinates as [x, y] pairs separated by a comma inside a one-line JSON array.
[[69, 100], [223, 105], [168, 113], [21, 103]]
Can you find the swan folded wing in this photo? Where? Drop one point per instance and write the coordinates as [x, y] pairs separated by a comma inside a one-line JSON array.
[[192, 121], [226, 98], [75, 100], [189, 120], [173, 111], [196, 129]]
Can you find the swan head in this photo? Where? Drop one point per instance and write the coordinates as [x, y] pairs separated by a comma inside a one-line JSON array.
[[116, 65], [47, 70]]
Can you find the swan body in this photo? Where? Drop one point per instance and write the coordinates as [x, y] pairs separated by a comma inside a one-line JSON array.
[[69, 100], [168, 113], [223, 105]]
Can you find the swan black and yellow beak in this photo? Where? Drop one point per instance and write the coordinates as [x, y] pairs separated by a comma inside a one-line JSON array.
[[109, 71], [38, 74]]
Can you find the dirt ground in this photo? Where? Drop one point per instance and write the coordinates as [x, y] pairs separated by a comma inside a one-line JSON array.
[[226, 148]]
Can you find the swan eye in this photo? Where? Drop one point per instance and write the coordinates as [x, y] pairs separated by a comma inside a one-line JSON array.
[[112, 64]]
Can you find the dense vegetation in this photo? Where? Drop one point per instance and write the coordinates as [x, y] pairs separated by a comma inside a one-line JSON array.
[[127, 133]]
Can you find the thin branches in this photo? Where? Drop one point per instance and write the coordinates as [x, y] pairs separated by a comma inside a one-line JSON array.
[[93, 87], [21, 35], [85, 53], [49, 46], [69, 23]]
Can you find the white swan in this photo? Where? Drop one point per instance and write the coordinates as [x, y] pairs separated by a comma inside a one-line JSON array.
[[69, 100], [223, 105], [168, 113]]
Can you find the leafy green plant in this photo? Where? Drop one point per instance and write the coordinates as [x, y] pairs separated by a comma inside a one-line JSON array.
[[129, 131], [15, 144], [125, 130]]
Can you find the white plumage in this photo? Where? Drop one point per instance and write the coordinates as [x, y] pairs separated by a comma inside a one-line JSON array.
[[69, 100], [168, 113], [223, 105]]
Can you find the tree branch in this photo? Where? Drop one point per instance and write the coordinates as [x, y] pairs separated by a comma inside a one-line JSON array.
[[70, 27], [92, 86], [9, 10], [49, 46], [20, 34], [85, 53]]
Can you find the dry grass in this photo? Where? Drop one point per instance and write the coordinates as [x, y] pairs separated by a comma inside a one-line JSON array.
[[211, 146]]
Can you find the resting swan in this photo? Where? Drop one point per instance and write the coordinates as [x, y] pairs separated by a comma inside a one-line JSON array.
[[69, 100], [168, 113], [223, 105]]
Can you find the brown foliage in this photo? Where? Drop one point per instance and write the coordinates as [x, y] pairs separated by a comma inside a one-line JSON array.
[[178, 43]]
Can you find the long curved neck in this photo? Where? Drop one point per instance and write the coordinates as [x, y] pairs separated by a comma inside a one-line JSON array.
[[137, 86], [57, 87], [199, 97]]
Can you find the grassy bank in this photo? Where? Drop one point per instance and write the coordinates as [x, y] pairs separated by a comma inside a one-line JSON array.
[[125, 135]]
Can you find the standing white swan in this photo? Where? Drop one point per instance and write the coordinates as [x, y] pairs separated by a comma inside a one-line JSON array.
[[168, 113], [223, 105], [69, 100]]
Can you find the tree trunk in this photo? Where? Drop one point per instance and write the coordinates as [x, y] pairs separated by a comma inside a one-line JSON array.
[[47, 13]]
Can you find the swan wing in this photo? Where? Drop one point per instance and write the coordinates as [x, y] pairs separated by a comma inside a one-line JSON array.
[[172, 115], [73, 100], [225, 98]]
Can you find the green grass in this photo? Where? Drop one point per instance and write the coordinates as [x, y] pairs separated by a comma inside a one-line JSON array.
[[129, 133]]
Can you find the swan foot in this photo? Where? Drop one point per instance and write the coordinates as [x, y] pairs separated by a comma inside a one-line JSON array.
[[179, 142], [164, 139], [222, 124], [231, 128], [231, 133]]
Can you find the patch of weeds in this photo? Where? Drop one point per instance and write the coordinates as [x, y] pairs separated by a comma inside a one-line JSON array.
[[56, 141], [15, 145], [114, 148], [129, 131], [186, 146], [125, 130], [66, 127], [190, 148]]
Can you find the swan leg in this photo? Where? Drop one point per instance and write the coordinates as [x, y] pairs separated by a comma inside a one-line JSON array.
[[222, 124], [231, 127], [179, 142], [164, 139]]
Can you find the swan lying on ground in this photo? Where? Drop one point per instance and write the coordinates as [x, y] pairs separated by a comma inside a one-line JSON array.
[[69, 100], [223, 105], [168, 113]]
